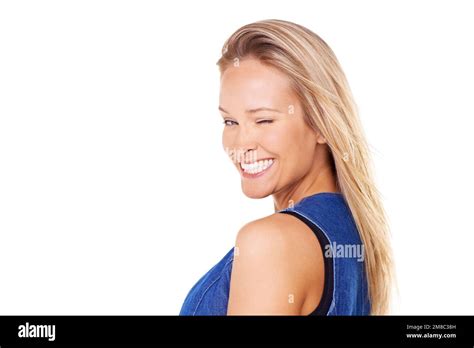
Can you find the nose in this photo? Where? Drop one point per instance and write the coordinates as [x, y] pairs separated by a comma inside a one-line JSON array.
[[245, 144]]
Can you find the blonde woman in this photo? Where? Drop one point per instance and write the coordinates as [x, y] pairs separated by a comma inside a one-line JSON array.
[[292, 130]]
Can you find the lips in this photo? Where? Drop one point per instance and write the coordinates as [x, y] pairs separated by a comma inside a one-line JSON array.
[[257, 168]]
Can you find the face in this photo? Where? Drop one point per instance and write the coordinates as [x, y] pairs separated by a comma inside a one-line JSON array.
[[264, 133]]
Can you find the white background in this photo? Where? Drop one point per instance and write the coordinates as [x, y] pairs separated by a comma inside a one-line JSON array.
[[116, 194]]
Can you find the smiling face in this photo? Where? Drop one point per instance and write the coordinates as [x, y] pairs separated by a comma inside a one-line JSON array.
[[264, 119]]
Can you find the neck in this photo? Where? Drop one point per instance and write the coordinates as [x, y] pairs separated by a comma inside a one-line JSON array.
[[320, 178]]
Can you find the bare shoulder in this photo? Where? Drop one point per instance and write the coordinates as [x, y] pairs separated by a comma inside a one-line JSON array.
[[278, 233], [277, 260]]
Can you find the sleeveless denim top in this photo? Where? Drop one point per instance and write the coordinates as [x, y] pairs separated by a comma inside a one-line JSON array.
[[345, 286]]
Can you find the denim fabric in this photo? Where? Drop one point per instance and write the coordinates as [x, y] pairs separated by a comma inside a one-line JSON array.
[[210, 294], [329, 212]]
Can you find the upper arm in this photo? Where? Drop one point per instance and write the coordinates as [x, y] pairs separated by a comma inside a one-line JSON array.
[[272, 268]]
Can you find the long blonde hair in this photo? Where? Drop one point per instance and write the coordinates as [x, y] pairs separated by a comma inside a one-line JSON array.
[[322, 87]]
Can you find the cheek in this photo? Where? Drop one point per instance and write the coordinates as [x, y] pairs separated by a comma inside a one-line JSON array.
[[226, 144], [275, 141], [283, 141], [226, 140], [295, 147], [229, 146]]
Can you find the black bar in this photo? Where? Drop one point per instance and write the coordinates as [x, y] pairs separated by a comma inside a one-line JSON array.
[[288, 330]]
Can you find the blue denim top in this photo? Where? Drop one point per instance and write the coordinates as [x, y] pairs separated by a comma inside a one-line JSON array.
[[328, 215]]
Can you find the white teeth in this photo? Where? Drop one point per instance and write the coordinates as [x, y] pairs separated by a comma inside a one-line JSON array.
[[256, 167]]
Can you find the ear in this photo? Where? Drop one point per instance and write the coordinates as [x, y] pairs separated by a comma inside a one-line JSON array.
[[320, 139]]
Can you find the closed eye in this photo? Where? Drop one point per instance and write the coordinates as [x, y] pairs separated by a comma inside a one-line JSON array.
[[231, 123]]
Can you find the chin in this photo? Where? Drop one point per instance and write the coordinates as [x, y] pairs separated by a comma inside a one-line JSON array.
[[256, 193]]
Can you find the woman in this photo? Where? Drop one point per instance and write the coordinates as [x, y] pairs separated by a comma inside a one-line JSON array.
[[292, 131]]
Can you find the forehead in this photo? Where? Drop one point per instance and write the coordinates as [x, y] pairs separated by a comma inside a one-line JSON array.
[[252, 84]]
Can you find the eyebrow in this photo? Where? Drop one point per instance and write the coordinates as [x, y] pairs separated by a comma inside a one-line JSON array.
[[251, 111]]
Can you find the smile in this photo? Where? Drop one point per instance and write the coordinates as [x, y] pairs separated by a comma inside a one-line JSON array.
[[256, 168]]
